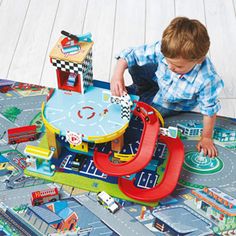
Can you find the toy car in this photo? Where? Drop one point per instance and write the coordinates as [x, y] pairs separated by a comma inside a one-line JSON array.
[[78, 162], [148, 113], [108, 202]]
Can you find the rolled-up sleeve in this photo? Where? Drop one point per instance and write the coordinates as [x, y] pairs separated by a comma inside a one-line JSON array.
[[209, 95], [140, 55]]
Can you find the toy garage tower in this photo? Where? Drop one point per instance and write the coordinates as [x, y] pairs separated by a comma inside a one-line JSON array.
[[72, 56]]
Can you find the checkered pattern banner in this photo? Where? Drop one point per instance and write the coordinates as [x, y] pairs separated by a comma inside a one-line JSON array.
[[67, 66], [125, 110], [87, 63], [87, 69]]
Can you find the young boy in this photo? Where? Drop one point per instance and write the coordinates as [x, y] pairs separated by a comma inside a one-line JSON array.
[[175, 75]]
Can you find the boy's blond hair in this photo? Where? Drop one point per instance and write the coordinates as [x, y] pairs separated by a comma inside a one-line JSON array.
[[185, 38]]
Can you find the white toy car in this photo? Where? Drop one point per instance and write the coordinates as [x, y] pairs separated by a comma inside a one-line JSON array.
[[108, 202]]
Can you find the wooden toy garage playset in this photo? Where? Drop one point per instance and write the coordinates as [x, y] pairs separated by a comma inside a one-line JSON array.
[[92, 137]]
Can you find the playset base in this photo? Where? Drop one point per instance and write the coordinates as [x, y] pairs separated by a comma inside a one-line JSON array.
[[148, 157]]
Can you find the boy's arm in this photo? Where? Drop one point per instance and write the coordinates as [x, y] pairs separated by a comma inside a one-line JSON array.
[[117, 81], [206, 142], [209, 106], [141, 55], [129, 57]]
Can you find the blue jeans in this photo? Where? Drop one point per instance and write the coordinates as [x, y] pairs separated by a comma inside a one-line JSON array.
[[146, 88]]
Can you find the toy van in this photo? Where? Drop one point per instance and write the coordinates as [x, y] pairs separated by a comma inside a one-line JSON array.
[[108, 202]]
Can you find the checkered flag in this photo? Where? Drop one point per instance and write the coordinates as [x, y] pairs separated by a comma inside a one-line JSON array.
[[125, 110], [87, 69], [67, 66]]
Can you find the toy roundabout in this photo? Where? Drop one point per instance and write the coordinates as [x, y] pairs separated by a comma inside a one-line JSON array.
[[89, 132]]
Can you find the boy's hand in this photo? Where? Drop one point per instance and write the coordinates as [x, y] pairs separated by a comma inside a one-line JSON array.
[[117, 85], [117, 81], [208, 147]]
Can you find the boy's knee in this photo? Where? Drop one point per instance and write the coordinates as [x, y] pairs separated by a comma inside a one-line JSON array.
[[164, 111], [145, 71], [135, 70]]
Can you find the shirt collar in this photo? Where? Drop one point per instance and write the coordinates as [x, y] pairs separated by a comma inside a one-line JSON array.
[[191, 75]]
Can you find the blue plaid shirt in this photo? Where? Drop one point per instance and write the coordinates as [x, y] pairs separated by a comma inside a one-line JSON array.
[[200, 86]]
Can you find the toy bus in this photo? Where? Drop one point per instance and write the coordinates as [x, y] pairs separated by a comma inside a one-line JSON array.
[[22, 134], [5, 89], [44, 196]]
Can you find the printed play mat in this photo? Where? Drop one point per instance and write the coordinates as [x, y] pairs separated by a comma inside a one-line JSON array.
[[52, 180]]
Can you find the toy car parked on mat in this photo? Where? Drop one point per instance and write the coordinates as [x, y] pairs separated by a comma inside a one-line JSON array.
[[108, 202]]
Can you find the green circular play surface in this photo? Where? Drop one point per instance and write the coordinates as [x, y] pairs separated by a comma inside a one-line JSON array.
[[196, 163]]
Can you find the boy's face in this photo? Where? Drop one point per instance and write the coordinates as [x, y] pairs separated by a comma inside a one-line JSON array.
[[180, 65]]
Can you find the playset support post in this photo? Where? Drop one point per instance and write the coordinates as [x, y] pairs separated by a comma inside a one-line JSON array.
[[117, 144], [52, 143]]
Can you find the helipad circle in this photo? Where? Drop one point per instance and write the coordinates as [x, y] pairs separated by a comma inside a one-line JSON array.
[[89, 115], [196, 163]]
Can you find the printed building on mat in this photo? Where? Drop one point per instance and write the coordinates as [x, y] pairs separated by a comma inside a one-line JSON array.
[[55, 216], [195, 129], [219, 206], [3, 162]]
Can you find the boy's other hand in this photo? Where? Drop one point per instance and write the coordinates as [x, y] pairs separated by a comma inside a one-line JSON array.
[[208, 147], [117, 86]]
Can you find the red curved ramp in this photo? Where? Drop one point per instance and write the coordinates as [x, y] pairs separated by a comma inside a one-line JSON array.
[[170, 178], [146, 148]]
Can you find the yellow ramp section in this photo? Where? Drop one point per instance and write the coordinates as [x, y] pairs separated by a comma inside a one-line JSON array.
[[160, 117], [38, 152], [124, 157]]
